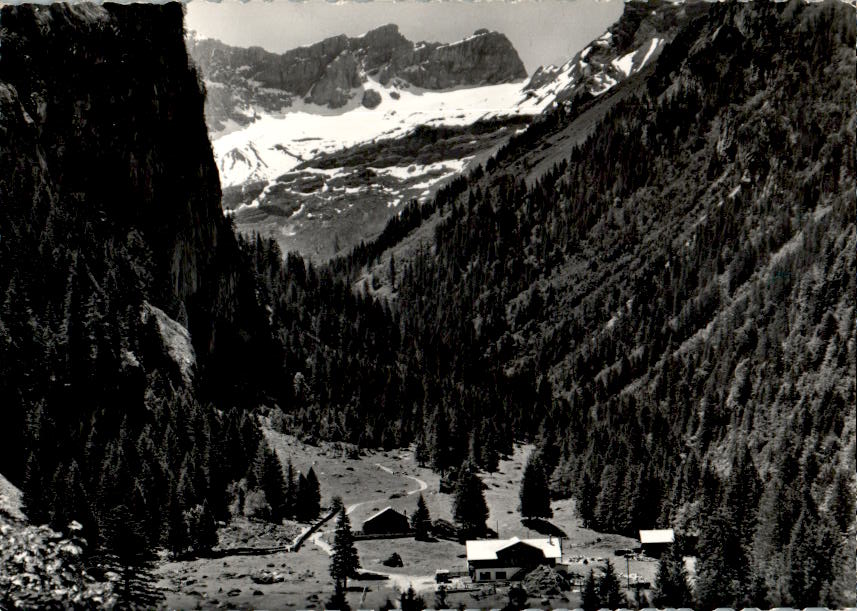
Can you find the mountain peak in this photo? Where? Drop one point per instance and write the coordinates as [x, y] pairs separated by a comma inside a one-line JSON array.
[[629, 45], [331, 72]]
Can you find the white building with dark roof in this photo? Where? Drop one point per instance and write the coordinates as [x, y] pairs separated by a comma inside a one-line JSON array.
[[655, 542], [510, 559]]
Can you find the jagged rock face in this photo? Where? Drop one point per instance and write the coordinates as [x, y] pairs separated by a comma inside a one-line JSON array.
[[328, 72], [130, 157], [485, 58], [630, 44], [334, 87]]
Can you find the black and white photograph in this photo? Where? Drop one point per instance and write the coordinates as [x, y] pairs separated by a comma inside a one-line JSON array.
[[331, 305]]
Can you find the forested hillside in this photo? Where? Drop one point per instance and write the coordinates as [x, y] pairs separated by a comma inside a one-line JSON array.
[[656, 285], [112, 239], [682, 286]]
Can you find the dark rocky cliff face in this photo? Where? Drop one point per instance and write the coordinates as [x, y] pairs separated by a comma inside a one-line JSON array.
[[107, 164], [131, 154], [326, 73], [112, 247]]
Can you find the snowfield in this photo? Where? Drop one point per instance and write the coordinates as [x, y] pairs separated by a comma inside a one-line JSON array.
[[277, 143]]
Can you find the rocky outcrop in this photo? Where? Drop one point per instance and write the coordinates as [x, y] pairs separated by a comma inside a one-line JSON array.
[[371, 98], [340, 77], [485, 58], [240, 80], [629, 45]]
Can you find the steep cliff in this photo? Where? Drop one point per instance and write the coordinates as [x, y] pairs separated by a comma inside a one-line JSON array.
[[327, 72], [110, 210]]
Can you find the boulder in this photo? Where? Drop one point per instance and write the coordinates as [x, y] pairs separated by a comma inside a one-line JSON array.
[[394, 560], [265, 576], [371, 98]]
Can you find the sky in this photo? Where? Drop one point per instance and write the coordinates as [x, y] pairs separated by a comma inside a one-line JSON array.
[[542, 31]]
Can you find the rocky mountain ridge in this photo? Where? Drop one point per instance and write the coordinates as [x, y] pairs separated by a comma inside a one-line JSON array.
[[330, 73], [633, 42], [322, 180]]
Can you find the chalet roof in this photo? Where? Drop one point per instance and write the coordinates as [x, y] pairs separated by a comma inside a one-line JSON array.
[[487, 549], [666, 535], [383, 511]]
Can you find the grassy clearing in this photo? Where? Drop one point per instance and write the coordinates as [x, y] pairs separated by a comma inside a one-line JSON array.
[[368, 483], [209, 583]]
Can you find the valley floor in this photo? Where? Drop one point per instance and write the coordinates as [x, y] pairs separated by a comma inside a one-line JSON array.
[[367, 484]]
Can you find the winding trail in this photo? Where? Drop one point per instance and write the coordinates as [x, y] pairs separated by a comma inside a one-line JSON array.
[[316, 537], [422, 485]]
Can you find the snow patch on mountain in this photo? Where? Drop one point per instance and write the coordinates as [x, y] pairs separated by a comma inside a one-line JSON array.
[[278, 143]]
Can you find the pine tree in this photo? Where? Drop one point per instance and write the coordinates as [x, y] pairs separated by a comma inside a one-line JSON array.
[[34, 490], [345, 561], [672, 588], [590, 600], [421, 520], [202, 529], [421, 452], [842, 503], [300, 512], [586, 502], [609, 591], [469, 508], [126, 552], [410, 601], [535, 492], [311, 496], [292, 488], [178, 536], [269, 478], [721, 554]]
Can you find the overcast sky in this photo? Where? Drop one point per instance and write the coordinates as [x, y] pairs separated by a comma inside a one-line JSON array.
[[542, 31]]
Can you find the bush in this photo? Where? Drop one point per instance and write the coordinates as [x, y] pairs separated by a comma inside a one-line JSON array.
[[40, 568], [256, 505]]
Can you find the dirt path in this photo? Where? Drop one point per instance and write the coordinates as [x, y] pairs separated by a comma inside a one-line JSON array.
[[321, 543], [422, 485], [403, 582], [383, 468]]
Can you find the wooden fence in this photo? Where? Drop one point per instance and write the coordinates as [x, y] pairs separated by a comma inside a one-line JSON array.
[[296, 544]]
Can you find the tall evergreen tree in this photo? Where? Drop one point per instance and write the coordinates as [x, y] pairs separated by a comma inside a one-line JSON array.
[[126, 552], [535, 492], [842, 502], [672, 588], [345, 561], [290, 504], [722, 567], [609, 590], [269, 475], [310, 497], [469, 508], [421, 520], [202, 529], [590, 600]]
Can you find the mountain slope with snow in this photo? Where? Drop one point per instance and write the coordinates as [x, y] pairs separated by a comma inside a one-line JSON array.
[[439, 107]]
